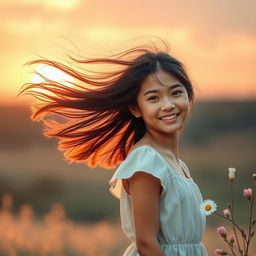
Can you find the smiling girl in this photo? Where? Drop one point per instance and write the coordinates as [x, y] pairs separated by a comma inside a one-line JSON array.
[[133, 115]]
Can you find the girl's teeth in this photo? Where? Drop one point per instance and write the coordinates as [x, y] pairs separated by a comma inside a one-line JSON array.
[[169, 117]]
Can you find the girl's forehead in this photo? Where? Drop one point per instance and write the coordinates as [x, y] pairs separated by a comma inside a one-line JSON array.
[[159, 79]]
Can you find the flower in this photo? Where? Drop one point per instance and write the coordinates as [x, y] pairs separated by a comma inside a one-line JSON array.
[[231, 174], [207, 207], [238, 233], [222, 231], [226, 213], [220, 251], [248, 193]]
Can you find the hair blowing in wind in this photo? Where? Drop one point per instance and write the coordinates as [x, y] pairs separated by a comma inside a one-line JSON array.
[[91, 117]]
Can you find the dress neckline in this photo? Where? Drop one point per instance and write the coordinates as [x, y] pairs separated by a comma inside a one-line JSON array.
[[167, 163]]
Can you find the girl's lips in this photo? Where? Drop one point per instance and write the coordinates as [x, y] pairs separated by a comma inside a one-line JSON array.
[[167, 119]]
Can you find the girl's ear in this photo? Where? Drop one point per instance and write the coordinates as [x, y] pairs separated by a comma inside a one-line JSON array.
[[135, 111]]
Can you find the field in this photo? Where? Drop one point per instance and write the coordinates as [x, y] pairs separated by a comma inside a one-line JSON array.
[[53, 208], [54, 234]]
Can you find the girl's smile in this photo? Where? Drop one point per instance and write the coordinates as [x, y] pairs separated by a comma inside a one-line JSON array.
[[169, 118]]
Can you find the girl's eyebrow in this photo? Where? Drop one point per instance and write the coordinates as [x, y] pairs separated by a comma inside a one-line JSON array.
[[169, 87]]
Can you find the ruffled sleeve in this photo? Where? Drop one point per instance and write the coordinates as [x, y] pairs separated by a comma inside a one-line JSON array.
[[143, 159]]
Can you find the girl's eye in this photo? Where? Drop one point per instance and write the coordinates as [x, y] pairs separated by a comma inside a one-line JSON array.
[[152, 98], [177, 92]]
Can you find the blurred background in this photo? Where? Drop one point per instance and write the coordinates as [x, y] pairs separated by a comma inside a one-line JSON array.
[[50, 207]]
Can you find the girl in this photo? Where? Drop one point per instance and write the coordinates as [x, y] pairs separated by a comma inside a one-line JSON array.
[[133, 114]]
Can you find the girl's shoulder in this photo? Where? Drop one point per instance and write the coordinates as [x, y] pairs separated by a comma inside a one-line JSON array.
[[156, 157], [140, 147], [143, 153], [141, 158]]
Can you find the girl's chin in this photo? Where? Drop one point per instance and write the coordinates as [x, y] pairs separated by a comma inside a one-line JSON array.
[[166, 128], [172, 129]]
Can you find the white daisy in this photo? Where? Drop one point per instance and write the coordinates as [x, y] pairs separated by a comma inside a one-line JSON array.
[[207, 207]]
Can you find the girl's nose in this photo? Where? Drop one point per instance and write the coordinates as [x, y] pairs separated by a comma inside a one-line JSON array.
[[167, 105]]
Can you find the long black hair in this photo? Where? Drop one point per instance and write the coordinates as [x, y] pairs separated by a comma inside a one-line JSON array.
[[96, 125]]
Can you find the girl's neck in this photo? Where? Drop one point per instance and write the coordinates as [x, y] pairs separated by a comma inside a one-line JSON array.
[[163, 144]]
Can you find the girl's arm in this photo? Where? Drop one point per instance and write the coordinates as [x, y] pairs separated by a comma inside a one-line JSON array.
[[145, 192]]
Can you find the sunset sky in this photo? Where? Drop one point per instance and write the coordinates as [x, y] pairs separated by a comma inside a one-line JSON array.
[[216, 39]]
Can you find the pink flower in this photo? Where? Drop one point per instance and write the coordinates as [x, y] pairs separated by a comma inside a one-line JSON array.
[[232, 239], [222, 231], [226, 213], [220, 251], [248, 193]]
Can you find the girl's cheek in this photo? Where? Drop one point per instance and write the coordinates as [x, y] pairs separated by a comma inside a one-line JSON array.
[[184, 101]]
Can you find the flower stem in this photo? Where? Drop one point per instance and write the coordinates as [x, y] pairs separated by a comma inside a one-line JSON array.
[[230, 220], [233, 220], [230, 247], [236, 225], [250, 220]]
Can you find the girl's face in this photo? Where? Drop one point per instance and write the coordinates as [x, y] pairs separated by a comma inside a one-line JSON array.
[[164, 107]]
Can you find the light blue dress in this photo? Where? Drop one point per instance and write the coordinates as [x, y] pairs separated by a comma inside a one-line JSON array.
[[181, 223]]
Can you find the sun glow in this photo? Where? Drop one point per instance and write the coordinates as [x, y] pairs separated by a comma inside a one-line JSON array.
[[43, 72], [51, 73]]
